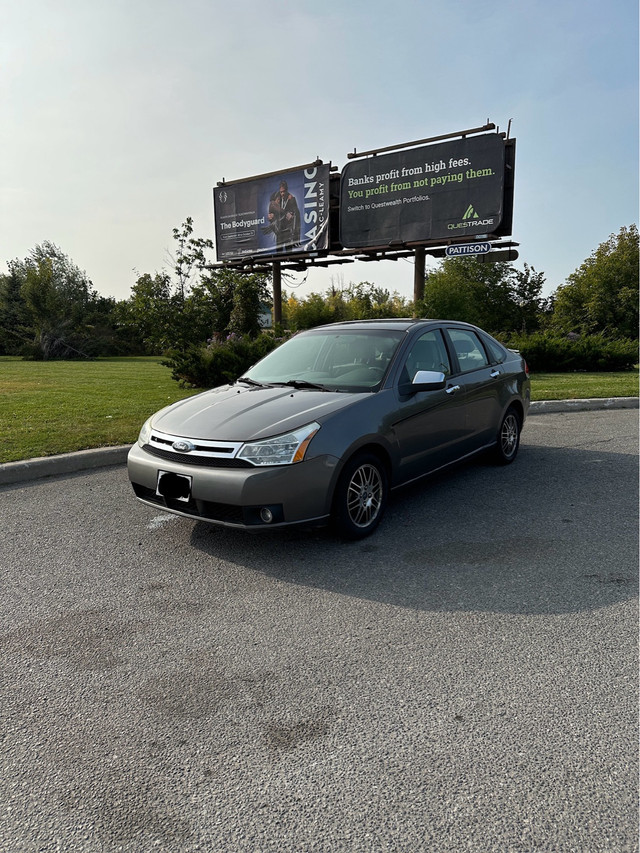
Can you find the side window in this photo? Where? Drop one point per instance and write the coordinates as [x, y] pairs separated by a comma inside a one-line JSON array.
[[467, 346], [427, 353], [496, 350]]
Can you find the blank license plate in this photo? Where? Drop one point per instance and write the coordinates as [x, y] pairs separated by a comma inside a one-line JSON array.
[[172, 486]]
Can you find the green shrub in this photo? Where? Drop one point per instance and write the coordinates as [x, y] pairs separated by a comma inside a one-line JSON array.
[[219, 362], [546, 352]]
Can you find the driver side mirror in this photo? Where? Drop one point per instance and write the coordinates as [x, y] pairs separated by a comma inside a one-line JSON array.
[[424, 380]]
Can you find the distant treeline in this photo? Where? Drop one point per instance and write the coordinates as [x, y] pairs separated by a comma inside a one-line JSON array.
[[49, 308]]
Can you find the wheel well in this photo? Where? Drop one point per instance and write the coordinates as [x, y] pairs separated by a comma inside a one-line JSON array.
[[376, 450], [382, 455], [519, 410], [371, 449]]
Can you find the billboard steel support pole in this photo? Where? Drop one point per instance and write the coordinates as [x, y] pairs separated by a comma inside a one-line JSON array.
[[418, 277], [277, 294]]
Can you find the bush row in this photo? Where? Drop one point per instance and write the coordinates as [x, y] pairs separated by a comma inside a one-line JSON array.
[[550, 353], [220, 361], [223, 361]]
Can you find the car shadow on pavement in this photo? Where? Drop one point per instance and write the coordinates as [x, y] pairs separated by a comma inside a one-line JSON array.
[[555, 532]]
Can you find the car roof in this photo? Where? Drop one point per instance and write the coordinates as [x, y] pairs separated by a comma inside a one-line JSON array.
[[396, 324]]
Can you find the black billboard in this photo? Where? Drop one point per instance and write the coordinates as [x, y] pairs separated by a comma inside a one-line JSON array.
[[282, 214], [433, 193]]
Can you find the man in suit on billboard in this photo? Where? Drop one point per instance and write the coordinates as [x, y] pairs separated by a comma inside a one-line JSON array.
[[284, 218]]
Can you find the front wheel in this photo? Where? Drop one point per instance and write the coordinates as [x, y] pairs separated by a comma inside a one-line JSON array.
[[508, 438], [361, 496]]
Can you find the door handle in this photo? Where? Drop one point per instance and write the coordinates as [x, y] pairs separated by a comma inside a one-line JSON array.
[[495, 374], [452, 389]]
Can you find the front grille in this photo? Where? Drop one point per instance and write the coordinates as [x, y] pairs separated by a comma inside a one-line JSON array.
[[204, 452], [194, 459], [209, 447]]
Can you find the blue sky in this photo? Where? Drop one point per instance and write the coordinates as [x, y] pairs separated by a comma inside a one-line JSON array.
[[119, 116]]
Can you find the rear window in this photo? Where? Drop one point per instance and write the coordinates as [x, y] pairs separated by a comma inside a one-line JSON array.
[[496, 351], [468, 348]]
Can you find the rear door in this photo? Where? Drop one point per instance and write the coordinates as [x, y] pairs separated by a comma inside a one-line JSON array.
[[480, 381]]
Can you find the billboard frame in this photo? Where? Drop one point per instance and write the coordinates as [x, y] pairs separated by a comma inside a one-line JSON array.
[[311, 214], [335, 253]]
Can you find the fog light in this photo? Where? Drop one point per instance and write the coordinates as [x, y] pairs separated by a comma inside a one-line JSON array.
[[266, 515]]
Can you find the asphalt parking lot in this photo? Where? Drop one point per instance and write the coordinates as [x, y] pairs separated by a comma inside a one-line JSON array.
[[465, 679]]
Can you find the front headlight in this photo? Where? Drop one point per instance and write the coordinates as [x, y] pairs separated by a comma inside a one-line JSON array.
[[280, 450], [145, 433]]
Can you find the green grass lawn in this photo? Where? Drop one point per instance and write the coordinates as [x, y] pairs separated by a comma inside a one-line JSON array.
[[59, 406], [53, 407], [581, 386]]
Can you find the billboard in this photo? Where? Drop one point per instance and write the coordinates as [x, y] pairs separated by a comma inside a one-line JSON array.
[[433, 193], [283, 214]]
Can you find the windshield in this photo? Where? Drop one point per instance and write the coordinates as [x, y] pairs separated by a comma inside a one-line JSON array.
[[330, 360]]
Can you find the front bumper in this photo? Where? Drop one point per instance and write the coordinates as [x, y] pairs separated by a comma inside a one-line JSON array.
[[235, 497]]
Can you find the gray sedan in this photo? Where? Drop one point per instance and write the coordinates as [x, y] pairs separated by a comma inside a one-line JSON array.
[[324, 426]]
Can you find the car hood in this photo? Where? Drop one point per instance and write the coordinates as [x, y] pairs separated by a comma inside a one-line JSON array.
[[239, 413]]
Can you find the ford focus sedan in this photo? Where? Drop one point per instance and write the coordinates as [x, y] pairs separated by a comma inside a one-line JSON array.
[[326, 425]]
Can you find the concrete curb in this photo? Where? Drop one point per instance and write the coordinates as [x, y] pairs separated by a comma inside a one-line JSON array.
[[65, 463], [104, 457], [543, 407]]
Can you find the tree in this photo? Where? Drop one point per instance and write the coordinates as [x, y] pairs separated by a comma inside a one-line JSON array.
[[190, 256], [249, 295], [474, 292], [362, 301], [601, 296], [313, 310], [367, 301], [527, 295], [104, 337], [56, 297], [148, 312], [226, 300], [173, 311], [15, 332], [49, 309]]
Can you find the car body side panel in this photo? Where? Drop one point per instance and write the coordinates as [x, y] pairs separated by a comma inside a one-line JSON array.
[[369, 423], [482, 395], [428, 428]]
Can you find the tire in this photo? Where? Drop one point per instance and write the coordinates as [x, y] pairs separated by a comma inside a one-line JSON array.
[[360, 498], [508, 442]]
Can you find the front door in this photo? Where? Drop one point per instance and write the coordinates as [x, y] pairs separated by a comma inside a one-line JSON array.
[[430, 426]]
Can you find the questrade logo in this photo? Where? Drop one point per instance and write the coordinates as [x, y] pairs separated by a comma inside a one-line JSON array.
[[470, 219]]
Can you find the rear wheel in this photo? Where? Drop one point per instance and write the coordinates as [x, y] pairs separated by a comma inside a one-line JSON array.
[[361, 496], [508, 438]]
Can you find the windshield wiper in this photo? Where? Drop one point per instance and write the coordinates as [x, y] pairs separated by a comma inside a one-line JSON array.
[[252, 382], [302, 383]]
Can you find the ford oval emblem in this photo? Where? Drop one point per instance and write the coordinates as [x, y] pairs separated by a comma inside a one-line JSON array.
[[183, 446]]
